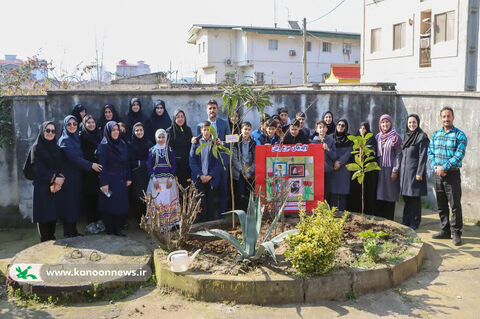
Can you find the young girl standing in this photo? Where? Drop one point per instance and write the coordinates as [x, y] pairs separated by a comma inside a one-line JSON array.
[[162, 185]]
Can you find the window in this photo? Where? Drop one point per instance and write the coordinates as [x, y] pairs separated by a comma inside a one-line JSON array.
[[444, 26], [375, 40], [203, 47], [273, 44], [399, 35], [326, 47], [309, 46]]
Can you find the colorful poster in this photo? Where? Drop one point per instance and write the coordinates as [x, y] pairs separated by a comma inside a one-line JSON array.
[[292, 170]]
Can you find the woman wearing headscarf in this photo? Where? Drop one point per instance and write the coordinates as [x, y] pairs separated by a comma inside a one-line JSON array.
[[134, 115], [73, 164], [389, 152], [161, 170], [89, 139], [48, 179], [115, 177], [138, 148], [180, 141], [159, 119], [79, 111], [108, 114], [340, 178], [328, 118], [370, 181], [413, 177]]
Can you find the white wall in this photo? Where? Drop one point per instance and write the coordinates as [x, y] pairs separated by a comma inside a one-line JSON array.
[[447, 71]]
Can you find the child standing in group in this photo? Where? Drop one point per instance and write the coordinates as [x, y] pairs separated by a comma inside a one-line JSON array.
[[162, 184], [207, 173], [269, 137], [243, 161]]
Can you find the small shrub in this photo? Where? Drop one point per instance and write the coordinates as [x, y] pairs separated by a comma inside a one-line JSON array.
[[370, 246], [312, 250]]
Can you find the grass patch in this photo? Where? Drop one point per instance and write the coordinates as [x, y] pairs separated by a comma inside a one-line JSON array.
[[351, 295]]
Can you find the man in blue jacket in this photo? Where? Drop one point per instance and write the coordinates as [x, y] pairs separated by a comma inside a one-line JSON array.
[[207, 173]]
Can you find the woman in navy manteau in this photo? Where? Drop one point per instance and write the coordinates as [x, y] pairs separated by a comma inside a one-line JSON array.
[[115, 177], [73, 164]]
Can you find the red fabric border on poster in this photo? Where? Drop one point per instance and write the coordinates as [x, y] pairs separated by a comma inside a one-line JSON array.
[[282, 150]]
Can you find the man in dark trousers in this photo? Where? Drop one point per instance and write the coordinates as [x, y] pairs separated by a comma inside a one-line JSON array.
[[445, 153]]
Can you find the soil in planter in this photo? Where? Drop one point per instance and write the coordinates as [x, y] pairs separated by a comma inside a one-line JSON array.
[[218, 256]]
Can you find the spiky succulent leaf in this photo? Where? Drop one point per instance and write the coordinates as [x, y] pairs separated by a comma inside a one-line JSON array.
[[224, 235]]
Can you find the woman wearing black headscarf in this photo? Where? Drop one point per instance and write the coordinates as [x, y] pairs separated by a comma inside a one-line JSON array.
[[328, 118], [89, 139], [413, 178], [135, 115], [158, 119], [73, 164], [138, 148], [108, 114], [79, 111], [115, 177], [370, 181], [340, 186], [48, 179], [179, 140]]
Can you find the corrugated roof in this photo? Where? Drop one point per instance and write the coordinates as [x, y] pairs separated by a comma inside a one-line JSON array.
[[346, 71], [279, 31]]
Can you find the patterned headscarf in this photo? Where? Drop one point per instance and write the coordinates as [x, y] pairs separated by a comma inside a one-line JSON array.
[[386, 140]]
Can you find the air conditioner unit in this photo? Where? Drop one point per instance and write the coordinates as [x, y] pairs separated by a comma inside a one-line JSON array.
[[424, 43], [347, 48], [228, 62], [292, 53]]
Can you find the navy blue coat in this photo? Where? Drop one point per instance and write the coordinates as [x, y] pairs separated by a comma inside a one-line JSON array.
[[222, 128], [215, 168], [414, 162], [340, 179], [115, 174], [45, 203]]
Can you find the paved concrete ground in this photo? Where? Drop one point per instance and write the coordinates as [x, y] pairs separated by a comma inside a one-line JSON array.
[[448, 286]]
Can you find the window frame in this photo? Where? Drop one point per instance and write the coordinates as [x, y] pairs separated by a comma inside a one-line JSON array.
[[271, 46]]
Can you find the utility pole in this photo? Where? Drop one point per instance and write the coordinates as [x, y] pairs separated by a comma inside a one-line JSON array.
[[304, 60]]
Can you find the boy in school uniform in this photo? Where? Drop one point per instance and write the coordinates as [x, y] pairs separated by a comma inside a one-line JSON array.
[[243, 163], [295, 135], [270, 137], [207, 173], [263, 127]]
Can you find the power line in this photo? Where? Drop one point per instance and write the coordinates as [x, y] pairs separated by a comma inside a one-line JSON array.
[[326, 14]]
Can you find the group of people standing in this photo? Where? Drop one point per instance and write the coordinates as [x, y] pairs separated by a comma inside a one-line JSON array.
[[103, 167]]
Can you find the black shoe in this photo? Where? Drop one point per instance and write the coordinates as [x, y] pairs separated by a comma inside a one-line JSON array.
[[442, 235], [120, 234], [457, 240]]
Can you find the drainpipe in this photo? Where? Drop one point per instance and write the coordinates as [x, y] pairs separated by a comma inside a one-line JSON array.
[[471, 64]]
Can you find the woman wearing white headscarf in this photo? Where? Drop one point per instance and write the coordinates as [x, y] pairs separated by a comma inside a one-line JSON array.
[[162, 184]]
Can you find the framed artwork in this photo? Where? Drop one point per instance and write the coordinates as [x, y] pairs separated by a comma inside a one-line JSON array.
[[298, 169]]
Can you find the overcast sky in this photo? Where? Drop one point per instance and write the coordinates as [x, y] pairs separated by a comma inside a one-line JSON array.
[[153, 31]]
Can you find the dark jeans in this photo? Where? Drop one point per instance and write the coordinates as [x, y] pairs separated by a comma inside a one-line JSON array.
[[90, 206], [208, 203], [449, 193], [338, 200], [113, 223], [242, 193], [412, 211], [47, 230], [385, 209]]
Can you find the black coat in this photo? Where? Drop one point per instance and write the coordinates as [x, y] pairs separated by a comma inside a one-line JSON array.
[[300, 138], [181, 143], [137, 155], [414, 161], [46, 205], [89, 143]]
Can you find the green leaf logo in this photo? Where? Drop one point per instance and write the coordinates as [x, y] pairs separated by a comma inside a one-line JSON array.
[[23, 274]]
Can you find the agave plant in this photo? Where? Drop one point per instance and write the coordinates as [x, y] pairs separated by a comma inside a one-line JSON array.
[[251, 223]]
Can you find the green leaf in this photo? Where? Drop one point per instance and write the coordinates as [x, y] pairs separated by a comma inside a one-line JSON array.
[[224, 235], [199, 149], [270, 248], [367, 234], [381, 233], [352, 138], [353, 167], [368, 135], [372, 166], [356, 175], [369, 158], [215, 151]]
